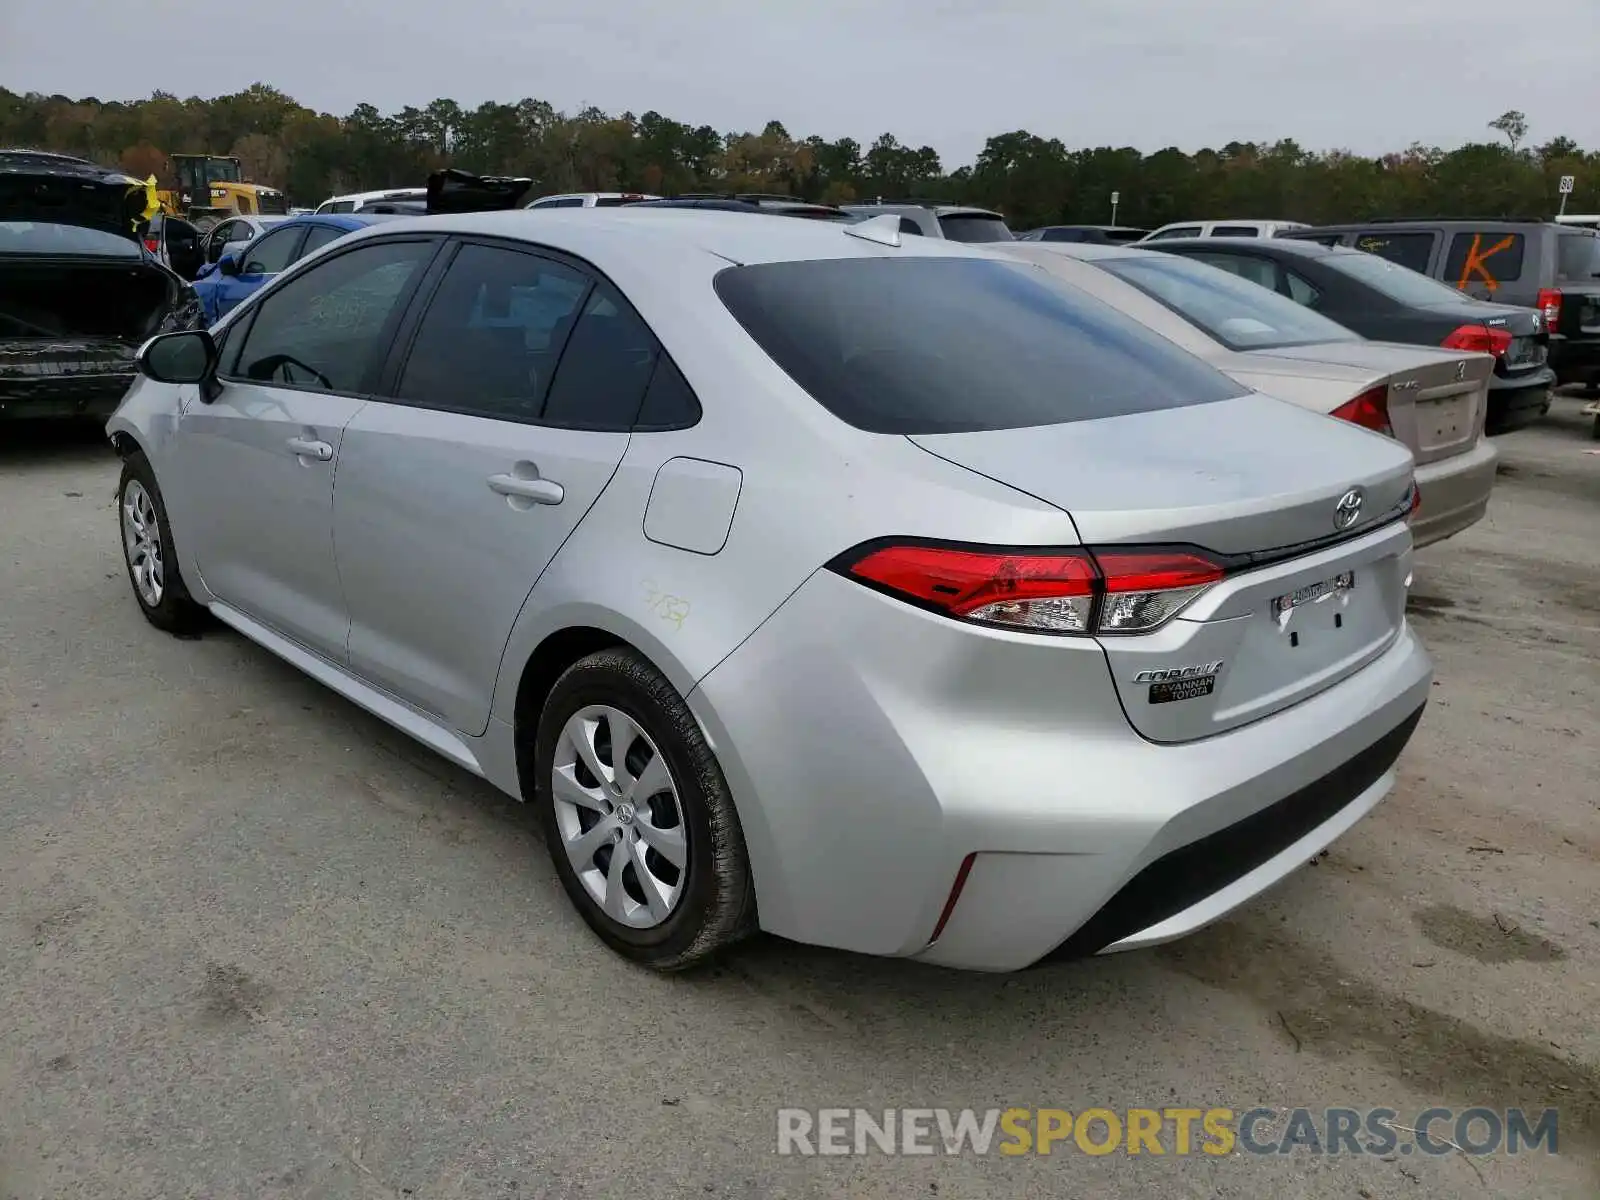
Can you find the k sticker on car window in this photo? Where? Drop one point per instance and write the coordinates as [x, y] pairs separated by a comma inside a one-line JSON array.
[[1484, 260]]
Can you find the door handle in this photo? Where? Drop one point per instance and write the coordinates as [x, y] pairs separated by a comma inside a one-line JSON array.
[[310, 448], [540, 491]]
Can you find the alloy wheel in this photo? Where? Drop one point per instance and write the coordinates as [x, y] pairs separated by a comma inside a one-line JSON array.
[[619, 816], [141, 540]]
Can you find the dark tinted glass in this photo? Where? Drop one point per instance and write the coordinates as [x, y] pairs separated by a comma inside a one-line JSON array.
[[1235, 231], [40, 237], [1577, 257], [907, 225], [180, 236], [272, 253], [1179, 231], [319, 236], [490, 340], [326, 328], [1483, 260], [669, 402], [1408, 249], [945, 345], [610, 201], [1065, 233], [605, 368], [970, 227]]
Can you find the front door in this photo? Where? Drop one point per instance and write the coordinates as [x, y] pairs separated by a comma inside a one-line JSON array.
[[261, 456], [456, 491]]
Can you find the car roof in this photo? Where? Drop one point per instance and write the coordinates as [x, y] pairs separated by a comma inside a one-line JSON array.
[[737, 238], [402, 193], [1387, 223]]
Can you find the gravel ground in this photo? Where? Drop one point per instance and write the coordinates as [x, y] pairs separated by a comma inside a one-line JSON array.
[[255, 944]]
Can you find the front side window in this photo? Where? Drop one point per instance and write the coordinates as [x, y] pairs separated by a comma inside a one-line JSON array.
[[493, 333], [327, 328], [1484, 260], [949, 345], [271, 253], [1239, 314]]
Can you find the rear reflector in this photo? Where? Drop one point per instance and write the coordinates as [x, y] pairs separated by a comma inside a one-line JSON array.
[[955, 894], [1113, 591], [1480, 338], [1370, 410], [153, 245]]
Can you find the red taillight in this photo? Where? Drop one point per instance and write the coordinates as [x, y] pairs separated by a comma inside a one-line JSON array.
[[153, 245], [1065, 592], [1550, 306], [962, 872], [1480, 338], [1416, 501], [1370, 410]]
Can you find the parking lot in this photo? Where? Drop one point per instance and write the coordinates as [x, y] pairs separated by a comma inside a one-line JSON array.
[[255, 943]]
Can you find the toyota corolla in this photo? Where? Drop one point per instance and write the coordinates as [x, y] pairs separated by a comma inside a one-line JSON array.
[[880, 593]]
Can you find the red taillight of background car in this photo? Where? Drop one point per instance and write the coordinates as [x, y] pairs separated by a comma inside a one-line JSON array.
[[1480, 338], [1416, 501], [1110, 591], [1550, 305], [153, 245], [1370, 410]]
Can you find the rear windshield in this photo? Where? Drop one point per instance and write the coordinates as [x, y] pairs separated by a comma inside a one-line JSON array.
[[1239, 314], [974, 227], [40, 237], [1577, 256], [951, 345], [1393, 280]]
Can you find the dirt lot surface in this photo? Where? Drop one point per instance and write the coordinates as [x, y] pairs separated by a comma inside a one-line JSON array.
[[255, 944]]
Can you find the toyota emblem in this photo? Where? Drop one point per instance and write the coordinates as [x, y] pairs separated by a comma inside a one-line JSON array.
[[1348, 511]]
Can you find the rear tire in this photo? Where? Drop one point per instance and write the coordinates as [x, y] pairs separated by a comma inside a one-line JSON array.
[[648, 845], [147, 552]]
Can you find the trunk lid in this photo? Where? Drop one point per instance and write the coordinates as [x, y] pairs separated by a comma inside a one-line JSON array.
[[54, 189], [1254, 480], [455, 191], [1437, 399]]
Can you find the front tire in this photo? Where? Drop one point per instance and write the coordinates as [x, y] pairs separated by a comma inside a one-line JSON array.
[[637, 817], [148, 554]]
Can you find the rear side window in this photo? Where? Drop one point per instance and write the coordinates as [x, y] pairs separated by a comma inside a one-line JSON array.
[[566, 202], [1235, 231], [605, 368], [949, 345], [319, 236], [1577, 257], [1179, 231], [1483, 260], [669, 402], [908, 226], [974, 227], [1412, 250], [490, 340], [339, 206], [611, 201]]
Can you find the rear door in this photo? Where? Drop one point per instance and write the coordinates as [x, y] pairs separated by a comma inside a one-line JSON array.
[[180, 243], [501, 423]]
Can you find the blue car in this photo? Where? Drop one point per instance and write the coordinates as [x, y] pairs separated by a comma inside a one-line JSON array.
[[239, 272]]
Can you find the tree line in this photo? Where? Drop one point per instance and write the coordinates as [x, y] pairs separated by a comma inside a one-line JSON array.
[[1033, 180]]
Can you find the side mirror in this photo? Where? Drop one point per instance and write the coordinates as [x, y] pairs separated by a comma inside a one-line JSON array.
[[228, 264], [188, 356]]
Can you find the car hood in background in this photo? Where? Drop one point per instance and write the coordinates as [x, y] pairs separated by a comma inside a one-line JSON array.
[[38, 189], [454, 191]]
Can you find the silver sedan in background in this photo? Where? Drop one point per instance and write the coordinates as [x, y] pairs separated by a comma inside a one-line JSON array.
[[877, 591], [1434, 401]]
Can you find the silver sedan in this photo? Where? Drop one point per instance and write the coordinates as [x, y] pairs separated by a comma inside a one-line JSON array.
[[882, 593], [1434, 401]]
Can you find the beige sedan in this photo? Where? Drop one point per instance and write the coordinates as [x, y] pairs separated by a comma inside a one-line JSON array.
[[1434, 401]]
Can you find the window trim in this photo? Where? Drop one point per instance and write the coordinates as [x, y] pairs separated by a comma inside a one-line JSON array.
[[386, 334], [405, 338]]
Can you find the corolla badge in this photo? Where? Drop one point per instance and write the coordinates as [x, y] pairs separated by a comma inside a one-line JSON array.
[[1348, 511]]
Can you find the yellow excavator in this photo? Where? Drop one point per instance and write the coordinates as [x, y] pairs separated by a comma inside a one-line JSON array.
[[211, 188]]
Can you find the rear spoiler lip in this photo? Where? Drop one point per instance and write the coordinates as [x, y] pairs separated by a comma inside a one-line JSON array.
[[456, 191]]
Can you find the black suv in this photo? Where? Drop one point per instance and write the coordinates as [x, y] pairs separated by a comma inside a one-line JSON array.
[[1535, 264]]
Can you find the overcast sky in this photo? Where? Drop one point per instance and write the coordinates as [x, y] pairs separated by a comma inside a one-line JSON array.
[[1368, 75]]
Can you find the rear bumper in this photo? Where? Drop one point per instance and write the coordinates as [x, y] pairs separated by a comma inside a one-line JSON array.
[[53, 378], [1455, 493], [871, 748], [1518, 402]]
